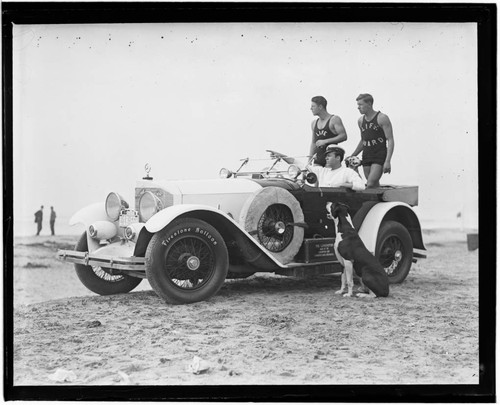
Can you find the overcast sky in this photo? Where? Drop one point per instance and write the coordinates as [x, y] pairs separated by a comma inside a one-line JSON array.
[[94, 103]]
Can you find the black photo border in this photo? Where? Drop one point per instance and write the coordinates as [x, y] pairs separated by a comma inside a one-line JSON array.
[[485, 15]]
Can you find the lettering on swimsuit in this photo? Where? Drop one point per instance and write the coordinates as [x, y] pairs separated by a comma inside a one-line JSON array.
[[370, 125], [373, 142]]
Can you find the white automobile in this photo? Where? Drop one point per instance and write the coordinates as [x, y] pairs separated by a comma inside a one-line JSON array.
[[187, 237]]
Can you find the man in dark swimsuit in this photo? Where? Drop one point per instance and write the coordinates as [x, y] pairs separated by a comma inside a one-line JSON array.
[[327, 129], [377, 141]]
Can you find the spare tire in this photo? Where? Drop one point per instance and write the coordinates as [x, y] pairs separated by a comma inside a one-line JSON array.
[[269, 216]]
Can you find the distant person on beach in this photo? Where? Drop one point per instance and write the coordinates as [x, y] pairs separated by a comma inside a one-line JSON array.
[[38, 220], [377, 141], [52, 220], [327, 129]]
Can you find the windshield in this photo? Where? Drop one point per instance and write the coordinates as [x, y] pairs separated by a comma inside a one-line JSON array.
[[268, 166]]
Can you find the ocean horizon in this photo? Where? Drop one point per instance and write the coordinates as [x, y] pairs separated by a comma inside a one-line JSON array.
[[27, 227]]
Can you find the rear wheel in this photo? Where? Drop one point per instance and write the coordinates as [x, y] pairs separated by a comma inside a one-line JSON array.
[[187, 261], [101, 280], [394, 250]]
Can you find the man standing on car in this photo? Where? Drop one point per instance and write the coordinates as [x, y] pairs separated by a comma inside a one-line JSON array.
[[326, 129], [377, 141]]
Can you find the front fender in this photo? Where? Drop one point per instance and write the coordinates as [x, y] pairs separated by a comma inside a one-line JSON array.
[[161, 219], [88, 215], [219, 219], [397, 211]]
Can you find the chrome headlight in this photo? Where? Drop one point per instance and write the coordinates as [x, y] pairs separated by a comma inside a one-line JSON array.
[[149, 204], [102, 230], [132, 231], [225, 173], [294, 171], [114, 204]]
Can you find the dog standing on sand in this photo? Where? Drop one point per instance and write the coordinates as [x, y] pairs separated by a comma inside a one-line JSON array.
[[353, 255]]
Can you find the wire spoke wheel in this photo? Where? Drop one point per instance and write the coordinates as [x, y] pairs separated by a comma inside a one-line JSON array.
[[270, 215], [106, 275], [100, 279], [394, 250], [391, 253], [189, 263], [272, 231]]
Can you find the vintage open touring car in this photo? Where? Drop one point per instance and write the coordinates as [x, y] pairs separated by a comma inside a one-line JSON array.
[[187, 237]]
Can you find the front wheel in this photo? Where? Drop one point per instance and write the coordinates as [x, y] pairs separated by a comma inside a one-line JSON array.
[[187, 261], [394, 250], [99, 279]]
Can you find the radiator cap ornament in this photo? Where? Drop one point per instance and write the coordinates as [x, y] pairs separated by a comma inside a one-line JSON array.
[[147, 167]]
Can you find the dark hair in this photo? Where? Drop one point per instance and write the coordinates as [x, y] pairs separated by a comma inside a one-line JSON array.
[[337, 151], [340, 153], [319, 100], [367, 98]]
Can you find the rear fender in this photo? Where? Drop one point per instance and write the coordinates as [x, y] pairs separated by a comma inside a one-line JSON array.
[[88, 215], [227, 226], [395, 211]]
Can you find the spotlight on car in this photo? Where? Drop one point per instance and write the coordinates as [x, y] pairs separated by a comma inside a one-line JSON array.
[[311, 178], [225, 173], [114, 204], [102, 230], [149, 204], [132, 231], [294, 171]]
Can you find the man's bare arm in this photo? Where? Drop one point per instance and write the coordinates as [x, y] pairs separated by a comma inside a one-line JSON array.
[[312, 148], [337, 126]]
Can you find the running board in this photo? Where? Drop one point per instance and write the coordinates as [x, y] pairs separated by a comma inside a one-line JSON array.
[[418, 255], [302, 270], [139, 263]]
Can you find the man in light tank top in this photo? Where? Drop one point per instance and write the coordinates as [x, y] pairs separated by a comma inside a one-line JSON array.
[[326, 129], [377, 141]]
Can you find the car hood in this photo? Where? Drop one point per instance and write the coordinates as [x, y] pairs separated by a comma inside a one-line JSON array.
[[197, 187]]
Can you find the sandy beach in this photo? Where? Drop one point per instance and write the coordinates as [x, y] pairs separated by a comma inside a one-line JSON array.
[[265, 329]]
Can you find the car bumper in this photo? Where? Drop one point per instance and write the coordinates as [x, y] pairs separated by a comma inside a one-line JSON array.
[[116, 256], [109, 262]]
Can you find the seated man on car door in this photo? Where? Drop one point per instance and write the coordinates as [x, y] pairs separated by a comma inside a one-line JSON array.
[[333, 174], [336, 175]]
